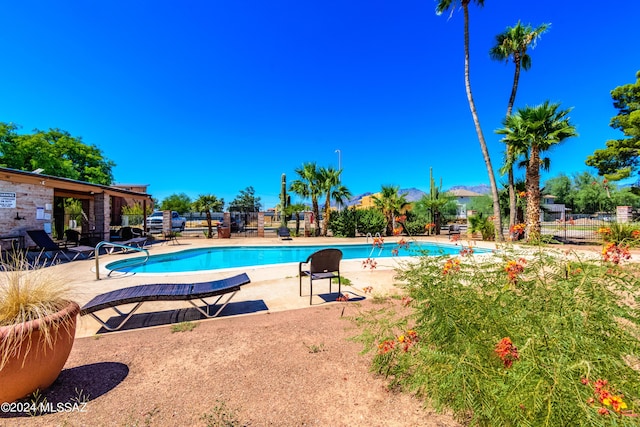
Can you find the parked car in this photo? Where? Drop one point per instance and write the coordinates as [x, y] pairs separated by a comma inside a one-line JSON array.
[[154, 221]]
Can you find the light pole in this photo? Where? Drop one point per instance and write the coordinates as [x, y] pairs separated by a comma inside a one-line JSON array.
[[339, 172]]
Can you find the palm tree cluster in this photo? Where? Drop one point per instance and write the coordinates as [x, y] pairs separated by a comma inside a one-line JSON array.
[[314, 182]]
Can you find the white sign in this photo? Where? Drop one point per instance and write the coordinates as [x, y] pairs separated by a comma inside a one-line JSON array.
[[7, 200]]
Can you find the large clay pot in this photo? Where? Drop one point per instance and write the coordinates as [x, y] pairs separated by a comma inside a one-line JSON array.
[[23, 375]]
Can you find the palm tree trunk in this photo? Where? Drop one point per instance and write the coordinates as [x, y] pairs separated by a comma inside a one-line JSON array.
[[316, 213], [512, 192], [533, 195], [476, 121], [327, 209]]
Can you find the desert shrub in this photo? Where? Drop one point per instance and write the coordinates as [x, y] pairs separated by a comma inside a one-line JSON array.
[[343, 223], [483, 224], [619, 233], [371, 220], [415, 227], [521, 339]]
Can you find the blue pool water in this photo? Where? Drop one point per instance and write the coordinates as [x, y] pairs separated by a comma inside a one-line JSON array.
[[202, 259]]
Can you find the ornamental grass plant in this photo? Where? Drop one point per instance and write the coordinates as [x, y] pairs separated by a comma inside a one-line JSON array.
[[27, 292], [519, 338]]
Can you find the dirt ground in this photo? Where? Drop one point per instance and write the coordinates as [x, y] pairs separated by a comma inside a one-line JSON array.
[[289, 368]]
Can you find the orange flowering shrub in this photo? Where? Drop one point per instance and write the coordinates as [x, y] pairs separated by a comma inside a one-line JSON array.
[[605, 397], [343, 298], [404, 341], [514, 268], [369, 262], [517, 230], [367, 289], [615, 253], [466, 251], [507, 352], [378, 242], [450, 266]]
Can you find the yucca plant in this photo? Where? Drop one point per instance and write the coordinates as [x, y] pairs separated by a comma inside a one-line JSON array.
[[534, 338]]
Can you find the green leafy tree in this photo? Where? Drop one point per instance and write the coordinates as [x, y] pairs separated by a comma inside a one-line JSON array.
[[308, 186], [622, 156], [389, 201], [329, 180], [246, 201], [532, 131], [180, 203], [513, 44], [295, 210], [592, 194], [207, 204], [443, 6], [562, 188], [56, 152], [481, 204]]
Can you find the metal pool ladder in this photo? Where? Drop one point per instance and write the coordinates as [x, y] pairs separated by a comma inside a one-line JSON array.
[[117, 245]]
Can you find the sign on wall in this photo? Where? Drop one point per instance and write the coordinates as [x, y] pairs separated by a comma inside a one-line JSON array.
[[7, 200]]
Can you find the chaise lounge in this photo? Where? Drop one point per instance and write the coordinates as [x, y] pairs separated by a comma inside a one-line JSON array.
[[165, 292], [51, 249]]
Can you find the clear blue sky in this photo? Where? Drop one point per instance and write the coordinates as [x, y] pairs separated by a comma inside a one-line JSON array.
[[215, 96]]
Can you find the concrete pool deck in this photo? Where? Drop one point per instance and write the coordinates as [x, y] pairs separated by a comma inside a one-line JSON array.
[[272, 288]]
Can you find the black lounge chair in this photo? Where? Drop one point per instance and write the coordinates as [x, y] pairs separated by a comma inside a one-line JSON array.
[[51, 249], [284, 233], [323, 264], [165, 292]]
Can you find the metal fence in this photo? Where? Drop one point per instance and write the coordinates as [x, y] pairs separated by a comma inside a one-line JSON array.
[[579, 228]]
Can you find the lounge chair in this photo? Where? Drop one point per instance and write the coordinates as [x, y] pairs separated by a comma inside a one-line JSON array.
[[284, 233], [165, 292], [323, 264], [51, 249]]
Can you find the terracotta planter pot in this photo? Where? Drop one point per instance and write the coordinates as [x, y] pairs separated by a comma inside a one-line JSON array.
[[39, 366]]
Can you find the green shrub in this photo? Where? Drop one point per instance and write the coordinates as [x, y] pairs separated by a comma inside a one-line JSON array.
[[618, 233], [415, 227], [371, 220], [483, 224], [571, 323], [343, 223]]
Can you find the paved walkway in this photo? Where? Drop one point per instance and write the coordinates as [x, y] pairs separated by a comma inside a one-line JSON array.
[[272, 288]]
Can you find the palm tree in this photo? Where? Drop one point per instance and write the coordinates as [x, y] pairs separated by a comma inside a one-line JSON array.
[[443, 6], [531, 131], [295, 209], [329, 179], [208, 203], [513, 44], [389, 201], [308, 186]]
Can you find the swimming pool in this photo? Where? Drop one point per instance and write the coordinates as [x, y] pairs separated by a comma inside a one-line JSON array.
[[214, 258]]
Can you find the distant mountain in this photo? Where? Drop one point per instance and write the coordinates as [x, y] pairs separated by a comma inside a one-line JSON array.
[[482, 188]]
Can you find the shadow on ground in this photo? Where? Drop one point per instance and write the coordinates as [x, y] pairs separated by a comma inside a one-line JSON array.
[[168, 317], [72, 390]]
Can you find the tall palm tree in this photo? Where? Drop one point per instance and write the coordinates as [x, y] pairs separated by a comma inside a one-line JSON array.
[[443, 6], [389, 201], [308, 186], [531, 131], [330, 182], [512, 44], [208, 203]]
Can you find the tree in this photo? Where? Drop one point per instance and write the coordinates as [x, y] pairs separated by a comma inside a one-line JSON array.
[[443, 6], [208, 203], [434, 205], [56, 152], [562, 188], [294, 210], [329, 180], [308, 186], [512, 44], [531, 131], [390, 202], [246, 201], [622, 156], [180, 203]]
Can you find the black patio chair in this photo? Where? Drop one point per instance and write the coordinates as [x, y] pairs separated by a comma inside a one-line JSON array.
[[323, 264]]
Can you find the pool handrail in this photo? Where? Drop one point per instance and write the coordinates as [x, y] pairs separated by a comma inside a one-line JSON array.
[[116, 245]]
